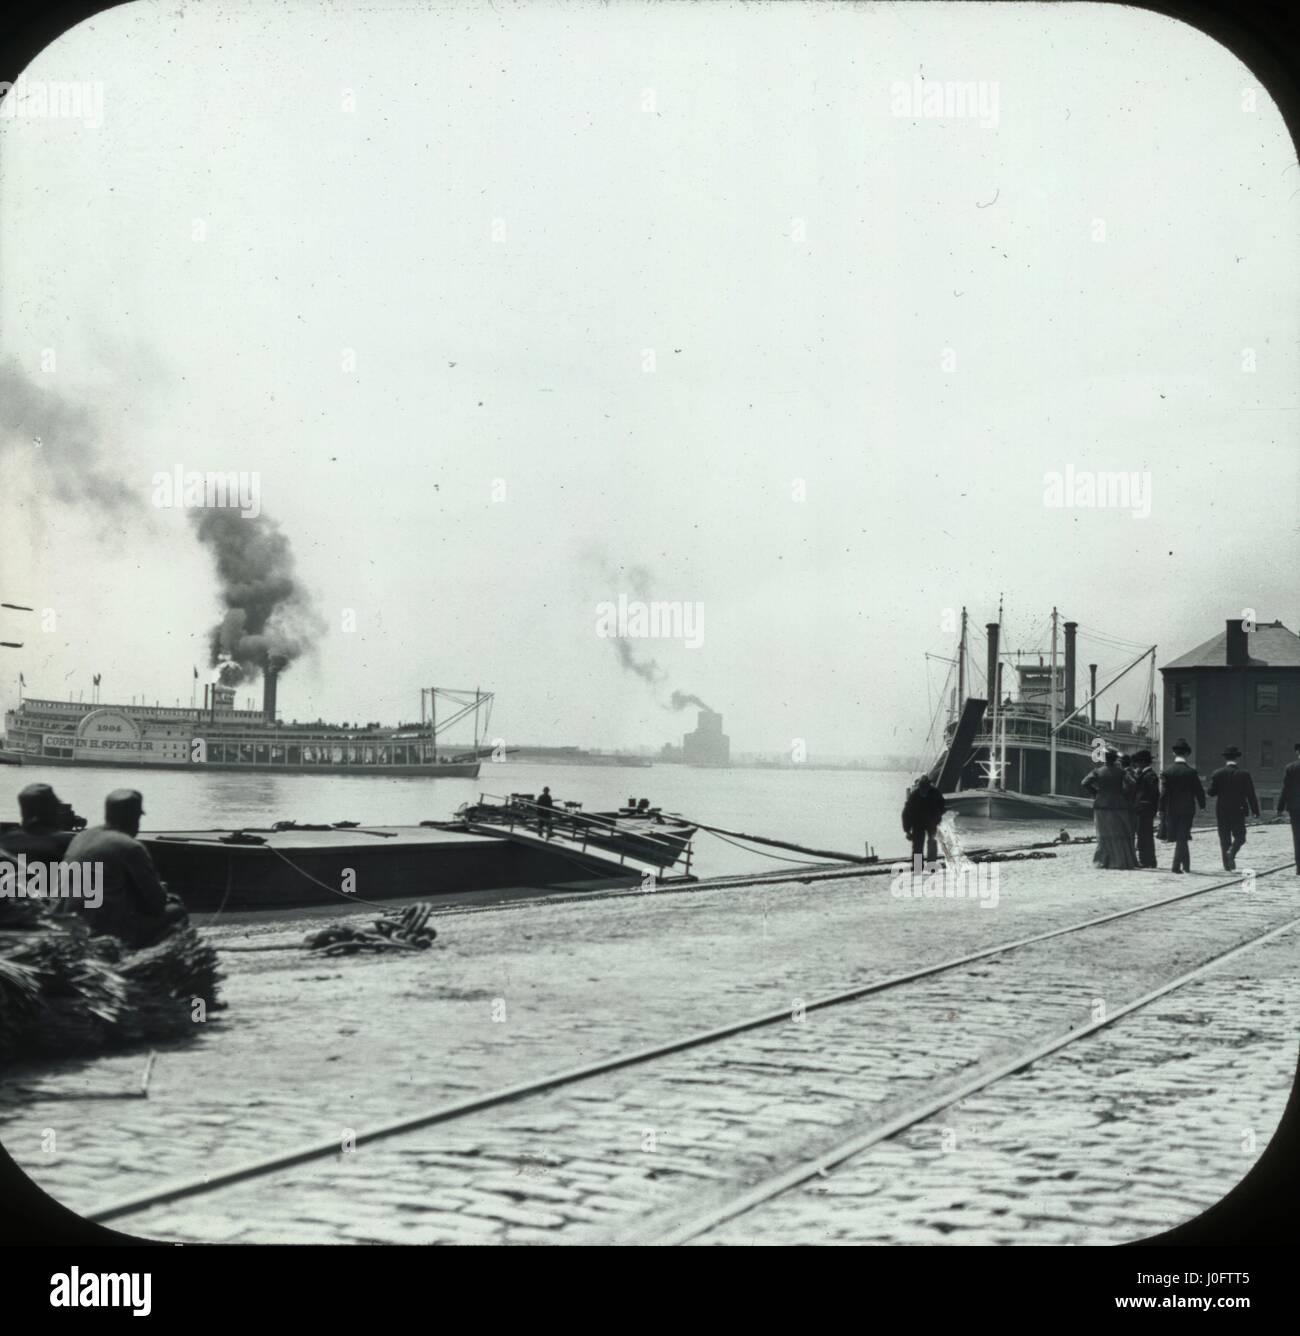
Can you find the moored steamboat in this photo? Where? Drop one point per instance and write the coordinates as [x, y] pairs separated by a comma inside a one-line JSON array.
[[1024, 756]]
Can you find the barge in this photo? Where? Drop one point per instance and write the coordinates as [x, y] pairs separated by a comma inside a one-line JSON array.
[[291, 867]]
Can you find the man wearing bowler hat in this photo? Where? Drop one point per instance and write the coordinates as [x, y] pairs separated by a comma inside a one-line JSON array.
[[1180, 795], [1289, 801], [1234, 793], [135, 905], [1146, 802]]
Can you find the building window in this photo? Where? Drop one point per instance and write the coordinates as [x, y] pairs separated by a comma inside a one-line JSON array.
[[1266, 698], [1265, 754], [1182, 698]]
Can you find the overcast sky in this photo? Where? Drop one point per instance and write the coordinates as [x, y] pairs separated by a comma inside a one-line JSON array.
[[873, 335]]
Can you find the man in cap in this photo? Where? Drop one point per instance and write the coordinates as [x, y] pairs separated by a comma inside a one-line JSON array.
[[1288, 800], [135, 905], [41, 835], [1146, 803], [1180, 795], [1234, 793], [922, 813]]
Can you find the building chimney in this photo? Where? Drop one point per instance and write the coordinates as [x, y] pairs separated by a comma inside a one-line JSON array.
[[269, 675], [1092, 693], [1070, 629], [1238, 652], [993, 629]]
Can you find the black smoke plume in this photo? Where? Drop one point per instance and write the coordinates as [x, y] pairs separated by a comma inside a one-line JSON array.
[[646, 669], [681, 699], [269, 619], [63, 441]]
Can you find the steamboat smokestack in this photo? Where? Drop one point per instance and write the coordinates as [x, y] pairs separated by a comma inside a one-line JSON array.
[[1070, 629], [269, 675], [992, 629], [1092, 692]]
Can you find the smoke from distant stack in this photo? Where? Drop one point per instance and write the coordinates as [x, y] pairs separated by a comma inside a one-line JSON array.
[[638, 579]]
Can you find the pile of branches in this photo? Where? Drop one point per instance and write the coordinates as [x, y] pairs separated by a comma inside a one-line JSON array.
[[408, 931], [66, 993]]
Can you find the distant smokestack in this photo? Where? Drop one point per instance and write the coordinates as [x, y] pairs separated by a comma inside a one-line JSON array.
[[1092, 692], [1238, 652], [992, 629], [1070, 629]]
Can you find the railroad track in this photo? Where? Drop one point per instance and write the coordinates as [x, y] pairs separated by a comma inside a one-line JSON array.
[[773, 1185]]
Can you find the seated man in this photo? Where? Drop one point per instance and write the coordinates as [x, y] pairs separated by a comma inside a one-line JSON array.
[[135, 906], [41, 836]]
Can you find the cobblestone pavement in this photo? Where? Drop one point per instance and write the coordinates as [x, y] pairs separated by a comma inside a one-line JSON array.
[[1073, 1150], [519, 994]]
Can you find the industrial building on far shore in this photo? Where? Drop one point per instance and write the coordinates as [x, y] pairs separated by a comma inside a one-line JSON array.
[[708, 744]]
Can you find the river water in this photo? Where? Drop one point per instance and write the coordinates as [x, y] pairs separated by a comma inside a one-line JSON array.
[[841, 810]]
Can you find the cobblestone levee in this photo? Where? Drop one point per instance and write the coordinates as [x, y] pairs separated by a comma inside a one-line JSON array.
[[311, 1048], [1074, 1150]]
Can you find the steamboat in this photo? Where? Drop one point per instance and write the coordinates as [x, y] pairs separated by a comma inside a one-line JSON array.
[[1021, 752], [218, 736]]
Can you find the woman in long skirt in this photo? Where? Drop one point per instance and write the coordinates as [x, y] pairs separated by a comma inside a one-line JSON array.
[[1112, 809]]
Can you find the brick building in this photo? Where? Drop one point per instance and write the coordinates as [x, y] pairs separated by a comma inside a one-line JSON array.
[[1240, 688]]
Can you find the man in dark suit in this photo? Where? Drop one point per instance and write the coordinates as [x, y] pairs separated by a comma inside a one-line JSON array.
[[922, 813], [1289, 801], [1180, 795], [1146, 803], [1234, 793]]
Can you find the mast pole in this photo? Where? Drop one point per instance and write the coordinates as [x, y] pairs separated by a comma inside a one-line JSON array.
[[1052, 788], [961, 665], [1155, 727]]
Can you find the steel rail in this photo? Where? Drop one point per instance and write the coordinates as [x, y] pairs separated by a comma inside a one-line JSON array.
[[817, 1166], [182, 1189]]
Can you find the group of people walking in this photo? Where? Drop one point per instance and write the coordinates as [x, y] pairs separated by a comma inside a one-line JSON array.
[[1133, 805]]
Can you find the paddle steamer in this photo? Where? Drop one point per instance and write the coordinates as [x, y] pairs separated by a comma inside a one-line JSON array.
[[219, 736], [1021, 752]]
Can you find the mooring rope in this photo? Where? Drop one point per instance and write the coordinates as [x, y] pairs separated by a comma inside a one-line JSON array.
[[778, 844]]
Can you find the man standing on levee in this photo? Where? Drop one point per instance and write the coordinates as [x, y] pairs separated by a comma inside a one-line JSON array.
[[1234, 793]]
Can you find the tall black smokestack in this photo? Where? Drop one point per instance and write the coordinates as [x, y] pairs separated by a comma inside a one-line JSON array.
[[1092, 692], [993, 630], [269, 676], [1070, 629]]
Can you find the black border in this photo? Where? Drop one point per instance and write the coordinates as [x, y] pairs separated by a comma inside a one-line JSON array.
[[1263, 1209]]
